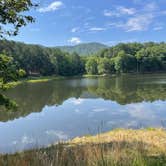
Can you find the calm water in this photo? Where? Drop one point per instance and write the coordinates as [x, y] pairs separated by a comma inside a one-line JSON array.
[[63, 109]]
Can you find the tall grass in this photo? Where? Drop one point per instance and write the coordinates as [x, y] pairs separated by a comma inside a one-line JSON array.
[[130, 149]]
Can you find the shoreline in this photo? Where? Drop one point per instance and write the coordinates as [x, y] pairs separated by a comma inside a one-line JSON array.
[[142, 145], [50, 78], [118, 134]]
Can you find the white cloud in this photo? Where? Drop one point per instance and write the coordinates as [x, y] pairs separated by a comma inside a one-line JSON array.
[[138, 23], [134, 19], [109, 13], [51, 7], [138, 111], [124, 10], [77, 101], [97, 29], [60, 134], [27, 140], [158, 28], [119, 11], [100, 110], [73, 30], [74, 40]]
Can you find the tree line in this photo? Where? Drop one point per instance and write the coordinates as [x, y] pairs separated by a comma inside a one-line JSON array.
[[128, 58], [38, 60]]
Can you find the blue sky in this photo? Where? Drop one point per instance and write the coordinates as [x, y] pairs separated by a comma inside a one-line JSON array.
[[69, 22]]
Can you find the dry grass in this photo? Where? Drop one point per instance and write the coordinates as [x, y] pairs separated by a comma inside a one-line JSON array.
[[155, 137], [115, 148]]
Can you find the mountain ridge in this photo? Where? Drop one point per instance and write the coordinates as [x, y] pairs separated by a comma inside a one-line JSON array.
[[84, 48]]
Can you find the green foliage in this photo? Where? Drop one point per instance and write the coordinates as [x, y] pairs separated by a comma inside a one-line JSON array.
[[7, 69], [11, 20], [12, 14], [9, 72], [91, 66], [122, 58], [132, 57], [41, 61], [152, 58], [105, 66], [125, 63], [21, 73], [9, 104], [76, 65]]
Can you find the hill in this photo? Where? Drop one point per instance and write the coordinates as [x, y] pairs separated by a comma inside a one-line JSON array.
[[84, 49]]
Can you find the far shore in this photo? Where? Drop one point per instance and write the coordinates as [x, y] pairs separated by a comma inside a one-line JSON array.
[[39, 79]]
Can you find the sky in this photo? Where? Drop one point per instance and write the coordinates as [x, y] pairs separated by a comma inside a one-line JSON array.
[[71, 22]]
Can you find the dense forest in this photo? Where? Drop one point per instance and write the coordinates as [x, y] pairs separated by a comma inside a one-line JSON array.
[[42, 61]]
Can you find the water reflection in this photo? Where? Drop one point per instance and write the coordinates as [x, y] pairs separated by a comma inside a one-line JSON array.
[[60, 110], [124, 90]]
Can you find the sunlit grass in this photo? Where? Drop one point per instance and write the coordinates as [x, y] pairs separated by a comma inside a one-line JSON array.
[[31, 80], [39, 80]]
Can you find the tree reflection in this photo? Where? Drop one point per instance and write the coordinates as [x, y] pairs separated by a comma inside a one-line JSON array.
[[7, 104], [123, 90]]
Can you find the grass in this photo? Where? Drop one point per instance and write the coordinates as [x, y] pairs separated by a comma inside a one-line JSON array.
[[31, 80], [96, 75], [116, 148], [40, 79]]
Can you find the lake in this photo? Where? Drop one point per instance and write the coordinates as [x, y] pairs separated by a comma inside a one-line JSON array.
[[63, 109]]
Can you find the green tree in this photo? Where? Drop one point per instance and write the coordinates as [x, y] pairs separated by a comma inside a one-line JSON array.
[[11, 20], [76, 65], [151, 59], [105, 66], [125, 62], [12, 14], [7, 69], [91, 66]]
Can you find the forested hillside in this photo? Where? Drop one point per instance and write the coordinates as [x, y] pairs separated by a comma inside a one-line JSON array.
[[122, 58], [84, 49]]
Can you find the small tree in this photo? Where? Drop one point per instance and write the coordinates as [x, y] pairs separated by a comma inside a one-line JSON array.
[[21, 73]]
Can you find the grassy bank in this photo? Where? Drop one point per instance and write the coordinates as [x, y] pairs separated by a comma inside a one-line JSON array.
[[116, 148], [33, 80]]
